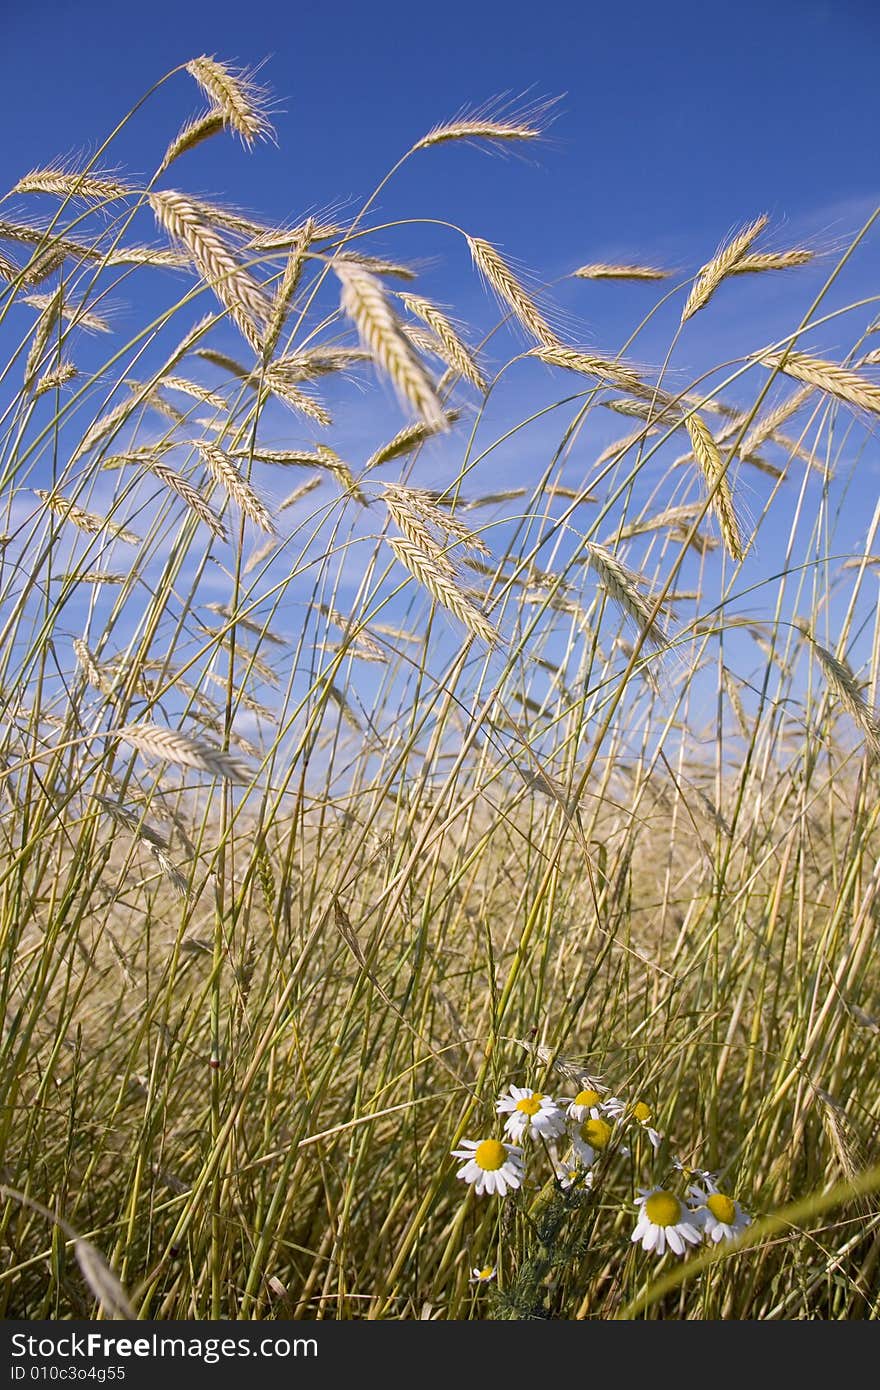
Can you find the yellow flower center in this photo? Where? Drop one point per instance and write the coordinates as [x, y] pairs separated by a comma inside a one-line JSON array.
[[596, 1133], [663, 1209], [486, 1272], [641, 1112], [490, 1155], [530, 1105], [722, 1208], [587, 1098]]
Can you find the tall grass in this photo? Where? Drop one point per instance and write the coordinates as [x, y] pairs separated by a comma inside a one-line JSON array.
[[336, 798]]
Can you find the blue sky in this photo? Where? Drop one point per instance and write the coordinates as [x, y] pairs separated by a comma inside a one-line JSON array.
[[676, 123]]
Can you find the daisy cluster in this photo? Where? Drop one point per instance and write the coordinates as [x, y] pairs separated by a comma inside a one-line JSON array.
[[573, 1132]]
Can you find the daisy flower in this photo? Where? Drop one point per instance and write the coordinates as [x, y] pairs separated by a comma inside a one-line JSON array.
[[709, 1180], [590, 1137], [640, 1112], [585, 1105], [530, 1112], [482, 1276], [663, 1221], [490, 1165], [719, 1215], [572, 1174]]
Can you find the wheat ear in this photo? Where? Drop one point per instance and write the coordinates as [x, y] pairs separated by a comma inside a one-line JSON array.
[[838, 381], [442, 588], [722, 264]]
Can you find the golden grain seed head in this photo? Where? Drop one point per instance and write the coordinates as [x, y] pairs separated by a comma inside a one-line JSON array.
[[236, 96], [722, 263]]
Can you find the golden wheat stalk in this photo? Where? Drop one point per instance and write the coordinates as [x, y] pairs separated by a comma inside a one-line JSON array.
[[90, 668], [55, 378], [229, 476], [622, 586], [299, 492], [262, 552], [71, 313], [444, 590], [9, 271], [237, 291], [845, 687], [287, 288], [489, 123], [194, 389], [330, 460], [410, 521], [85, 521], [407, 440], [51, 311], [722, 264], [772, 260], [454, 351], [183, 751], [600, 271], [768, 425], [304, 402], [365, 302], [493, 267], [191, 496], [235, 95], [197, 130], [376, 265], [93, 186], [841, 382], [617, 374], [708, 457]]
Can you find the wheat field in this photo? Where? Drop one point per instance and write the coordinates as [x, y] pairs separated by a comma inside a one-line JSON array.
[[368, 750]]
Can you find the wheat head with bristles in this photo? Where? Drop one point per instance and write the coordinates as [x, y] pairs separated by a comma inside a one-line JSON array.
[[722, 264], [191, 496], [600, 271], [237, 291], [199, 129], [89, 522], [66, 183], [183, 751], [366, 303], [235, 96], [494, 268], [457, 354], [838, 381], [422, 565], [844, 685], [226, 472], [708, 457], [622, 586]]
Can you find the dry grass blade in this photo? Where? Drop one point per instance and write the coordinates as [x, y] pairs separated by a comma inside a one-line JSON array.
[[238, 99], [365, 302], [838, 381], [443, 589], [455, 352], [226, 472], [183, 751], [103, 1283], [722, 264], [600, 271], [707, 456], [492, 265]]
